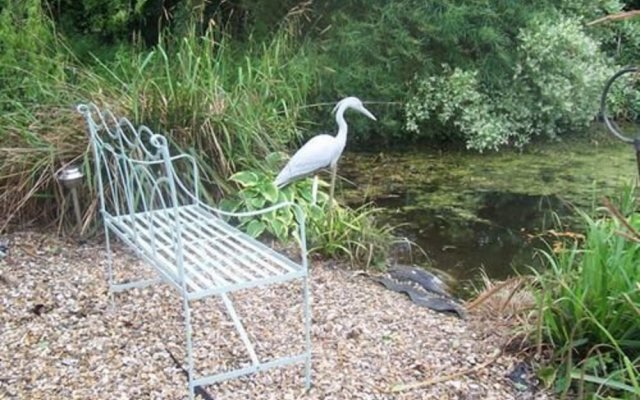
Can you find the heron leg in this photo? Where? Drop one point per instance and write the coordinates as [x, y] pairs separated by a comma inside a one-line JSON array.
[[314, 190], [334, 169]]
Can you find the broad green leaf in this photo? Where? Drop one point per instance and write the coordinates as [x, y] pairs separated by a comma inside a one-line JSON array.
[[245, 178], [288, 195], [306, 195], [270, 192], [279, 229], [286, 218], [228, 204], [256, 202], [255, 228]]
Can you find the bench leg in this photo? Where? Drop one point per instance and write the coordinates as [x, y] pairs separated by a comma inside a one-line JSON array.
[[188, 334], [307, 332], [121, 287], [256, 364], [112, 301]]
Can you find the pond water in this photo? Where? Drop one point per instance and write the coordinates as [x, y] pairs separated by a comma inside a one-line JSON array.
[[471, 211]]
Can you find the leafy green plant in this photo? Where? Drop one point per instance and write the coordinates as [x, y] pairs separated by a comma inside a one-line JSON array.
[[564, 70], [257, 191], [333, 232], [554, 87], [590, 307], [352, 234]]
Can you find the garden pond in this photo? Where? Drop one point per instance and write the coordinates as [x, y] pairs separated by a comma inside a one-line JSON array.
[[471, 212]]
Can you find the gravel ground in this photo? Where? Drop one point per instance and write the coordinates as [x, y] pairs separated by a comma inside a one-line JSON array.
[[59, 338]]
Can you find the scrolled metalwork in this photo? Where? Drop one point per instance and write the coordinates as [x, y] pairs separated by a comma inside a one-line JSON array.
[[611, 125]]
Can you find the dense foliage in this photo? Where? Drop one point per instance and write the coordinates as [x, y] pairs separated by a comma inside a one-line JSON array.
[[555, 87], [531, 69], [523, 67], [332, 230], [590, 305], [234, 81]]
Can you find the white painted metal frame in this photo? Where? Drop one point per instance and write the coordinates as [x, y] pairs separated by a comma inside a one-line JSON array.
[[160, 216]]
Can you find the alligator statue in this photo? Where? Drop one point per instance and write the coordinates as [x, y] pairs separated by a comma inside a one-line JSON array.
[[423, 288]]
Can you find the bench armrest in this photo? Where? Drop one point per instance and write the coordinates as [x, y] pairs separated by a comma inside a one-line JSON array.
[[297, 210]]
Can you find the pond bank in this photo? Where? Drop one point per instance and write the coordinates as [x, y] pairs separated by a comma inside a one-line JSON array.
[[61, 341]]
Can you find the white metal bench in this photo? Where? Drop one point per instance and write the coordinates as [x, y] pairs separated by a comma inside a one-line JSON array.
[[159, 214]]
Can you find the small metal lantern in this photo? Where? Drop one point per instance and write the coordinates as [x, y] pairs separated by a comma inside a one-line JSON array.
[[71, 177]]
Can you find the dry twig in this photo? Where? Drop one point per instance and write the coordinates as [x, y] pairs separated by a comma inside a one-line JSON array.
[[633, 234], [486, 295], [444, 378], [615, 17]]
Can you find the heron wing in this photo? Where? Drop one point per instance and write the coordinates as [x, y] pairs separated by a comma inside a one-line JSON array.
[[316, 154]]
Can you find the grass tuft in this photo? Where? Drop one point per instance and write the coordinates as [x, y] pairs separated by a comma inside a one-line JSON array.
[[589, 302]]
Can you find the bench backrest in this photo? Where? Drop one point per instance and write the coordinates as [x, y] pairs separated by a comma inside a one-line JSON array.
[[135, 172]]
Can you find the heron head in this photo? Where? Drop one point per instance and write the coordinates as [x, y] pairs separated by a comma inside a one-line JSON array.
[[353, 103]]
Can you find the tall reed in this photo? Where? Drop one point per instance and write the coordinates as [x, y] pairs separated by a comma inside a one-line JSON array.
[[228, 104], [38, 129], [590, 306]]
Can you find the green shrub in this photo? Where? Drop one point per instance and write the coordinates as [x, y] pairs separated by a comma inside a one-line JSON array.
[[30, 58], [590, 307], [333, 232], [562, 71], [537, 69], [555, 87]]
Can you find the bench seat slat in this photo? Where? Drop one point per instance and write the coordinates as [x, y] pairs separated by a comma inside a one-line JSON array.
[[210, 248], [194, 260], [251, 244], [217, 257], [146, 225], [168, 265], [232, 242]]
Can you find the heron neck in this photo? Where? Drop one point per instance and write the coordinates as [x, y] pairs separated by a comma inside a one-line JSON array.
[[342, 126]]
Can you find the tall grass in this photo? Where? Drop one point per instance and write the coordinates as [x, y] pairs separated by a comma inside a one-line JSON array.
[[225, 103], [230, 106], [38, 130], [590, 307]]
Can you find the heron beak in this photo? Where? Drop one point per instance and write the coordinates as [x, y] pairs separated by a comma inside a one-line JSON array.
[[367, 113]]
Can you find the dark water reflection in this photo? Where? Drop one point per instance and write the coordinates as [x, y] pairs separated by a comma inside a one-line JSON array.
[[471, 212], [501, 238]]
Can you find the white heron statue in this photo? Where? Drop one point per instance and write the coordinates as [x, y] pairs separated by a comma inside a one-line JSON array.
[[321, 151]]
